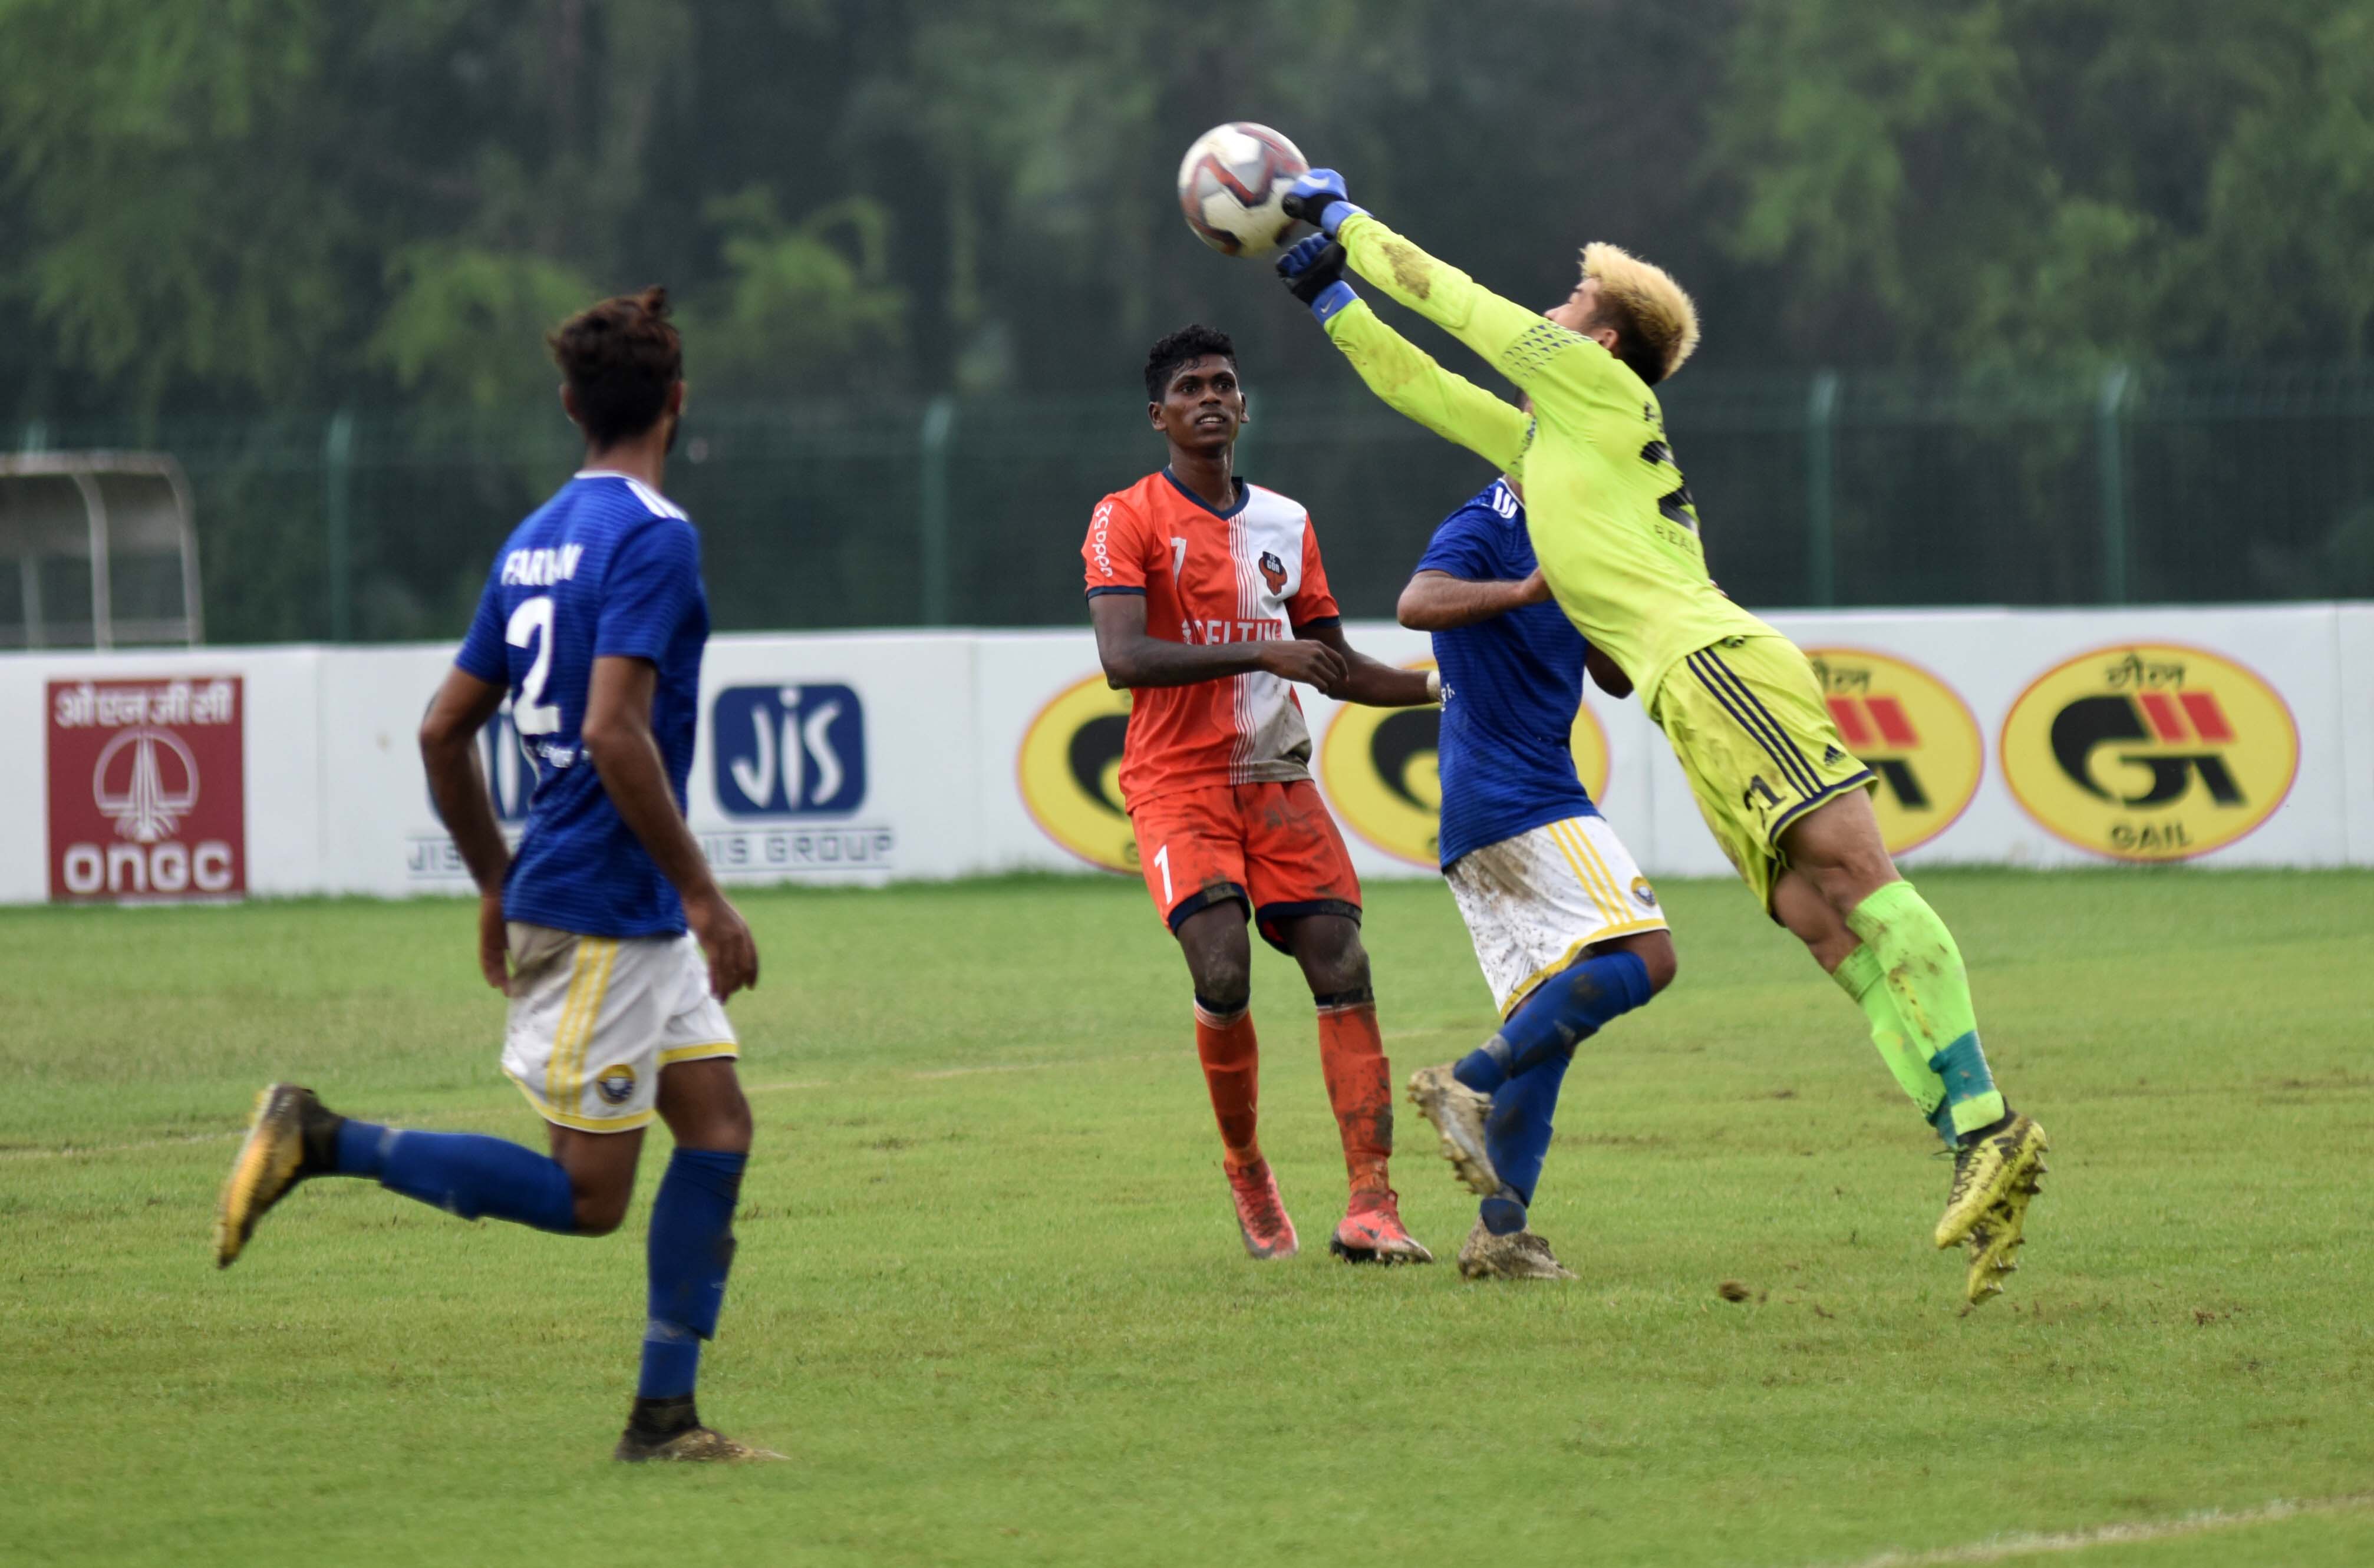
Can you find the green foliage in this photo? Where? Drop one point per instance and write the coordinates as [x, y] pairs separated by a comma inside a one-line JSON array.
[[2020, 180], [989, 1297], [265, 202], [462, 314], [797, 298]]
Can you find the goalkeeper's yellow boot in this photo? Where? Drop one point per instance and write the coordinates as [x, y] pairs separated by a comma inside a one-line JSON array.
[[1998, 1167], [291, 1136], [1993, 1241]]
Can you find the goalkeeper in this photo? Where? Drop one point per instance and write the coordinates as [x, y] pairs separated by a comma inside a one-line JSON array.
[[1617, 537]]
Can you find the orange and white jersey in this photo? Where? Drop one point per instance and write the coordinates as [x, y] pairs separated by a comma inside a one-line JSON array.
[[1248, 574]]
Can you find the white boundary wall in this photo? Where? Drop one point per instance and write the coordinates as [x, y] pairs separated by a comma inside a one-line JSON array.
[[335, 800]]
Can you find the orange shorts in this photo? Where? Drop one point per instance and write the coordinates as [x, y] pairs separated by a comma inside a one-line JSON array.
[[1272, 847]]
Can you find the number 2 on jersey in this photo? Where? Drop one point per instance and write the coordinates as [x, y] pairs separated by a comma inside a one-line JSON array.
[[532, 622]]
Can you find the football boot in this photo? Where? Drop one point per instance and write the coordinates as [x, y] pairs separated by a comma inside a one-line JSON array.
[[290, 1137], [1260, 1213], [1372, 1232], [1520, 1255], [1457, 1112], [1997, 1168]]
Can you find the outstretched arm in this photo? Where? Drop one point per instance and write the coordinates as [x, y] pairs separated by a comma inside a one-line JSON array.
[[1371, 682], [1519, 344], [1410, 381], [1438, 602]]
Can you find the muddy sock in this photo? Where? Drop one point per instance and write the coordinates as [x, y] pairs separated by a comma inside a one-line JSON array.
[[1351, 1057], [1517, 1136], [1570, 1006], [1923, 972], [1232, 1058], [1859, 977]]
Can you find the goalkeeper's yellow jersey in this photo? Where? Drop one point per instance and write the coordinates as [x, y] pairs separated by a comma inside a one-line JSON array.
[[1612, 522]]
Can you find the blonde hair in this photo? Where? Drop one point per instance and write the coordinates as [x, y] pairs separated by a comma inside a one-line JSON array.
[[1655, 322]]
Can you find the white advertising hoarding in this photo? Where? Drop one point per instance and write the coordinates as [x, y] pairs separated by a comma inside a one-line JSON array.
[[2218, 736]]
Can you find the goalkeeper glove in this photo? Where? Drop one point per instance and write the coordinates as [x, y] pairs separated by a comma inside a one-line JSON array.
[[1314, 273], [1318, 199]]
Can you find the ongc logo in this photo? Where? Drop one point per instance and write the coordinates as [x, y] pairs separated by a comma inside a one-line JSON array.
[[2150, 751], [1069, 771], [146, 788], [1909, 728], [1379, 764], [789, 751]]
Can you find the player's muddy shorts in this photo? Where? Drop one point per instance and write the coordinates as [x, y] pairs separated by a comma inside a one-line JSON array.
[[1748, 722], [594, 1018], [1272, 847], [1533, 903]]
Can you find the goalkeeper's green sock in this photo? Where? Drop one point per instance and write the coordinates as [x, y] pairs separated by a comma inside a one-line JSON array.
[[1920, 969], [1859, 977]]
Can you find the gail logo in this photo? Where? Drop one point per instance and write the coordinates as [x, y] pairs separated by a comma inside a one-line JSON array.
[[789, 751]]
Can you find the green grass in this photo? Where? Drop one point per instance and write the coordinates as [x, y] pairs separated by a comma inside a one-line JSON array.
[[990, 1297]]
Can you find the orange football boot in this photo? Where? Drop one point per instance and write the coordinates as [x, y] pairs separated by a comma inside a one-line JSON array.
[[1373, 1233], [1260, 1213]]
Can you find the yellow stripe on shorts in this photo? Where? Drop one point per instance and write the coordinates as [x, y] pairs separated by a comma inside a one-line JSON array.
[[1582, 875], [1606, 877], [564, 1076], [1603, 890]]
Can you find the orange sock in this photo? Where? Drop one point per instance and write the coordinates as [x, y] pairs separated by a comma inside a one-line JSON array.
[[1352, 1055], [1231, 1060]]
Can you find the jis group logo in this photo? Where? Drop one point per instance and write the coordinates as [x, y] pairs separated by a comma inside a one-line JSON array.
[[789, 751]]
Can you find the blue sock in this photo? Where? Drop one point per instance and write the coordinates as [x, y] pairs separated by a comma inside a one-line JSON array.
[[1570, 1006], [1517, 1136], [691, 1250], [463, 1173]]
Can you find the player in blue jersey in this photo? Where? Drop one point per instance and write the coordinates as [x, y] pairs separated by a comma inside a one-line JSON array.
[[1567, 930], [605, 930]]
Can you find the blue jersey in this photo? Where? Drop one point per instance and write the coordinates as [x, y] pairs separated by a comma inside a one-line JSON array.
[[1510, 687], [607, 567]]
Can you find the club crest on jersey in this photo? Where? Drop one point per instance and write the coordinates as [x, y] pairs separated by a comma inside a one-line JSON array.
[[617, 1084], [1273, 571]]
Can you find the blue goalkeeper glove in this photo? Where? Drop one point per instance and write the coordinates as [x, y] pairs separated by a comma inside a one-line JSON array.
[[1318, 199], [1314, 273]]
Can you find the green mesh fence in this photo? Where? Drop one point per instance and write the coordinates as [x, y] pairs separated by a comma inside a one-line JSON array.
[[2200, 485]]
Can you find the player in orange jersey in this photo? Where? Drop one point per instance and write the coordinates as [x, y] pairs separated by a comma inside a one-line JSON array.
[[1209, 598]]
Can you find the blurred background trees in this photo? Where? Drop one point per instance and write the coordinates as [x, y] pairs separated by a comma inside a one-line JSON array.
[[265, 204]]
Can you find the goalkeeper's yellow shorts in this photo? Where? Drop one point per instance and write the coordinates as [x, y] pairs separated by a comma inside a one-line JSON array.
[[1746, 719]]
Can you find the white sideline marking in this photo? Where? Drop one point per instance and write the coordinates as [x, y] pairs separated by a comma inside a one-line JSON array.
[[2000, 1549]]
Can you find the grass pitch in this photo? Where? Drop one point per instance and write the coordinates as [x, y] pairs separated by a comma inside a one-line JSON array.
[[991, 1299]]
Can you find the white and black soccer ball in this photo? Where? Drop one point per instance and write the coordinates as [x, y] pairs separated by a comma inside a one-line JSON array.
[[1233, 185]]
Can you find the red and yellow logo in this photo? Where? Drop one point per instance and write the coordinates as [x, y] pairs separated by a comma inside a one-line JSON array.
[[1913, 730], [2150, 751], [1380, 770], [1069, 771]]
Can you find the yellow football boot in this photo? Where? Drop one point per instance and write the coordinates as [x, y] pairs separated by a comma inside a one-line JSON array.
[[2000, 1168], [271, 1162]]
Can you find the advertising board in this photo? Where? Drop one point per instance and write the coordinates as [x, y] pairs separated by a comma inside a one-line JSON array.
[[2215, 736]]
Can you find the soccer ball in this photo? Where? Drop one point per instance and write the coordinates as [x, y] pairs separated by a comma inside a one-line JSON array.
[[1231, 185]]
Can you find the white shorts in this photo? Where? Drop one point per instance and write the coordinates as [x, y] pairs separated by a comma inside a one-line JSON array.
[[1532, 903], [594, 1019]]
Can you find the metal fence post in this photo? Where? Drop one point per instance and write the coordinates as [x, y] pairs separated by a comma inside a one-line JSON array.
[[337, 511], [939, 427], [2109, 430], [1821, 526]]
